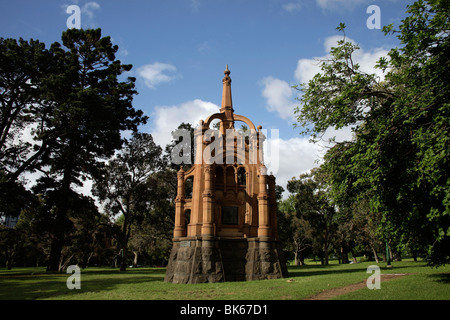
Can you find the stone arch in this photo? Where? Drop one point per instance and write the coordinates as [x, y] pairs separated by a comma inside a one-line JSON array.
[[208, 120], [245, 120]]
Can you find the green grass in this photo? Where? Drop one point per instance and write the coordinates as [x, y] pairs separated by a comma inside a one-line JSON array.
[[303, 282]]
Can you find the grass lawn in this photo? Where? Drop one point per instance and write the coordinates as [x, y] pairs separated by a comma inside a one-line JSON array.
[[421, 282]]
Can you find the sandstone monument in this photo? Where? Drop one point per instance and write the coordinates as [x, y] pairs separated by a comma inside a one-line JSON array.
[[226, 226]]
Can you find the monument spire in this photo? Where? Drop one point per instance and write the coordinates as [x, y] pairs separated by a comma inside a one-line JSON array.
[[226, 228], [227, 103]]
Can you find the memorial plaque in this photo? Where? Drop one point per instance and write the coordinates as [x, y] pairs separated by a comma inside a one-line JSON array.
[[185, 243]]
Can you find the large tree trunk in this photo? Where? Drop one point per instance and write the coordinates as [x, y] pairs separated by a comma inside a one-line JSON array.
[[353, 255], [375, 254], [89, 259], [55, 253], [299, 259], [124, 244], [326, 253], [9, 258], [344, 255], [61, 220], [123, 265], [63, 265], [135, 260]]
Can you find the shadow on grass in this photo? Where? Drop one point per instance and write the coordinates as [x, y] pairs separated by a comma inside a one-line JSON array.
[[317, 270], [53, 285], [115, 271], [443, 278]]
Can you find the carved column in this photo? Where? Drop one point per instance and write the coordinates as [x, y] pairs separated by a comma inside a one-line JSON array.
[[260, 143], [273, 207], [198, 142], [208, 222], [263, 205], [180, 228]]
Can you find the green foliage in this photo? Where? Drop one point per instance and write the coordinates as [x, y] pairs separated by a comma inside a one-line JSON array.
[[24, 65], [127, 186], [70, 99], [180, 145], [315, 213], [399, 158]]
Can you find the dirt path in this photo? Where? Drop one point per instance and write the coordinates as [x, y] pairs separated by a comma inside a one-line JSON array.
[[331, 293]]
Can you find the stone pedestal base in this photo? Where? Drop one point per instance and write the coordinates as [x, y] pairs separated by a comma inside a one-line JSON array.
[[197, 260]]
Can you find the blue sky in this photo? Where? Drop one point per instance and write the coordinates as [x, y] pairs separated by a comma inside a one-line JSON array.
[[179, 49]]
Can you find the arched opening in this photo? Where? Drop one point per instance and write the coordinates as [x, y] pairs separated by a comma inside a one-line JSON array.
[[187, 217], [231, 182], [242, 178], [219, 176], [189, 187]]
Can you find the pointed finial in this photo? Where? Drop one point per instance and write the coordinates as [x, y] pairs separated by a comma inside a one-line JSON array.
[[227, 104]]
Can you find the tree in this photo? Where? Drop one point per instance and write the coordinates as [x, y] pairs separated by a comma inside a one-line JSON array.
[[294, 231], [313, 205], [153, 236], [398, 159], [88, 108], [87, 244], [9, 241], [182, 147], [126, 188], [23, 67], [73, 104]]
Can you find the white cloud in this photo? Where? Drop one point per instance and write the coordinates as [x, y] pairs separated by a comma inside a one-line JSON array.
[[156, 73], [295, 156], [367, 60], [195, 4], [308, 68], [292, 6], [203, 47], [89, 8], [279, 94], [123, 52], [332, 41], [298, 155], [332, 4], [168, 118], [280, 97]]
